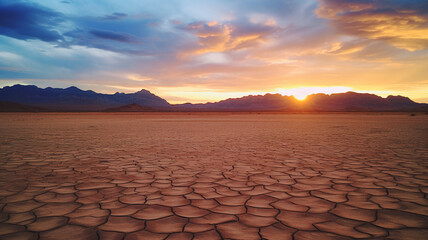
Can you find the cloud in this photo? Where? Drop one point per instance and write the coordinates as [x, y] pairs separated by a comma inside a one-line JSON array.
[[29, 21], [115, 32], [119, 37], [401, 23], [223, 37], [136, 34], [367, 50], [115, 16]]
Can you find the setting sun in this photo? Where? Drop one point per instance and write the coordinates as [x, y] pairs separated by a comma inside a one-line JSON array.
[[302, 92], [301, 98]]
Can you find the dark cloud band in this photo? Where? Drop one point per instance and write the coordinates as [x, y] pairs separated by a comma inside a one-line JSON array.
[[29, 21], [113, 36]]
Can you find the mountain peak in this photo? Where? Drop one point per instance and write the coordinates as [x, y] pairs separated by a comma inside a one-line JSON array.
[[73, 89], [397, 97], [143, 91], [21, 86]]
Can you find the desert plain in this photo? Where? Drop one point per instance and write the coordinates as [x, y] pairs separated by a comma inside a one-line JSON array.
[[213, 176]]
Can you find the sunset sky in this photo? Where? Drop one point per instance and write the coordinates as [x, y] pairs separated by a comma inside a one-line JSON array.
[[198, 51]]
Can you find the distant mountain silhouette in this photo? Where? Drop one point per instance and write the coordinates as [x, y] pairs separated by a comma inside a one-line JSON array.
[[21, 97], [75, 99], [268, 102], [16, 107], [349, 101], [132, 108]]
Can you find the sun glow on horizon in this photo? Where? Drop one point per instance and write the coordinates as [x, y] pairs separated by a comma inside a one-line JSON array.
[[300, 98], [202, 95], [302, 92]]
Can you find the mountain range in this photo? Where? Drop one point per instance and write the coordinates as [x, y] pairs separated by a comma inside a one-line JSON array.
[[29, 98], [75, 99]]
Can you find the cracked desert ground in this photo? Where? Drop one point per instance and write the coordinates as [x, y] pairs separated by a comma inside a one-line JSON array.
[[213, 176]]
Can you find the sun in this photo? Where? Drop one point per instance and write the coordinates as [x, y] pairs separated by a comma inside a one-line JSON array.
[[302, 92], [300, 97]]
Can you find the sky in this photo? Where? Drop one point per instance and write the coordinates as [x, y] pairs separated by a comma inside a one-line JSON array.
[[199, 51]]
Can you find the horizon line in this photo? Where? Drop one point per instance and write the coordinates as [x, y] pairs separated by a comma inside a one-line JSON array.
[[234, 97]]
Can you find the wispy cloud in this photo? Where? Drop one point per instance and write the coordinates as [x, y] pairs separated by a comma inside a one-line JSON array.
[[115, 16], [222, 37], [120, 37], [401, 23]]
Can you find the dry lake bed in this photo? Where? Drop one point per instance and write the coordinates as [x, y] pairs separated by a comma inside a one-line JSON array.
[[213, 176]]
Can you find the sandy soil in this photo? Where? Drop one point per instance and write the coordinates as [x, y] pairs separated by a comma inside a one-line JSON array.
[[213, 176]]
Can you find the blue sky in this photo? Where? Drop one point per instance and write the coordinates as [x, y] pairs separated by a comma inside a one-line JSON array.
[[201, 51]]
